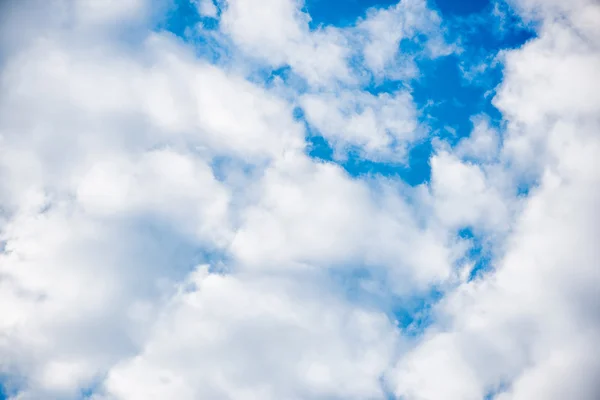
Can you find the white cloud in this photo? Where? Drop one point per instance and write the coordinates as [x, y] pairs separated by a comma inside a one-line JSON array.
[[527, 328], [207, 8], [468, 195], [380, 127], [279, 33], [249, 337], [108, 11], [483, 143], [335, 62], [175, 93], [186, 194], [385, 28], [309, 215], [530, 317], [126, 163], [109, 198]]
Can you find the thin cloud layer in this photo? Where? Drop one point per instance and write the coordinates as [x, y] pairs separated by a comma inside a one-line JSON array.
[[167, 232]]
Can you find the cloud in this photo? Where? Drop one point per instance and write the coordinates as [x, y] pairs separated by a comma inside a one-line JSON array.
[[384, 30], [279, 34], [510, 332], [164, 233], [304, 218], [207, 8], [463, 195], [244, 336], [335, 64], [381, 126], [482, 144], [110, 197]]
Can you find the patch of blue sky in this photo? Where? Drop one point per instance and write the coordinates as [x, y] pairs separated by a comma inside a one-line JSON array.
[[449, 90], [446, 98], [446, 101], [269, 76], [415, 314], [182, 16], [414, 172], [340, 13], [345, 12], [8, 388], [479, 254], [276, 77], [493, 393], [184, 21], [524, 188], [459, 7], [88, 392], [452, 89]]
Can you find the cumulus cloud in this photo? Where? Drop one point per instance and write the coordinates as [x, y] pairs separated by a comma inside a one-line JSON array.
[[279, 34], [207, 8], [164, 232], [510, 333], [245, 336], [381, 127], [483, 143]]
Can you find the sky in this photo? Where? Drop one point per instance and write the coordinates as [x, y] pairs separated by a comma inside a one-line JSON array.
[[299, 199]]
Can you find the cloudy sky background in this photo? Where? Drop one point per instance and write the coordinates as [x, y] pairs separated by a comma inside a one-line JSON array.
[[286, 199]]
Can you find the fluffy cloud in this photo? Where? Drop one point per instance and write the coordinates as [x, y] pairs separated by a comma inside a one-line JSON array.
[[311, 214], [278, 32], [381, 127], [483, 143], [512, 331], [248, 337], [465, 195], [207, 8], [384, 29], [327, 58], [122, 170], [163, 232]]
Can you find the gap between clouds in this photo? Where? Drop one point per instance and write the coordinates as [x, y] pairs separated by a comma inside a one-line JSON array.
[[110, 135]]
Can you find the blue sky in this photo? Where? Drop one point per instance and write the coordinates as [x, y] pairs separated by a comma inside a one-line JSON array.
[[456, 99], [446, 98], [287, 199]]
